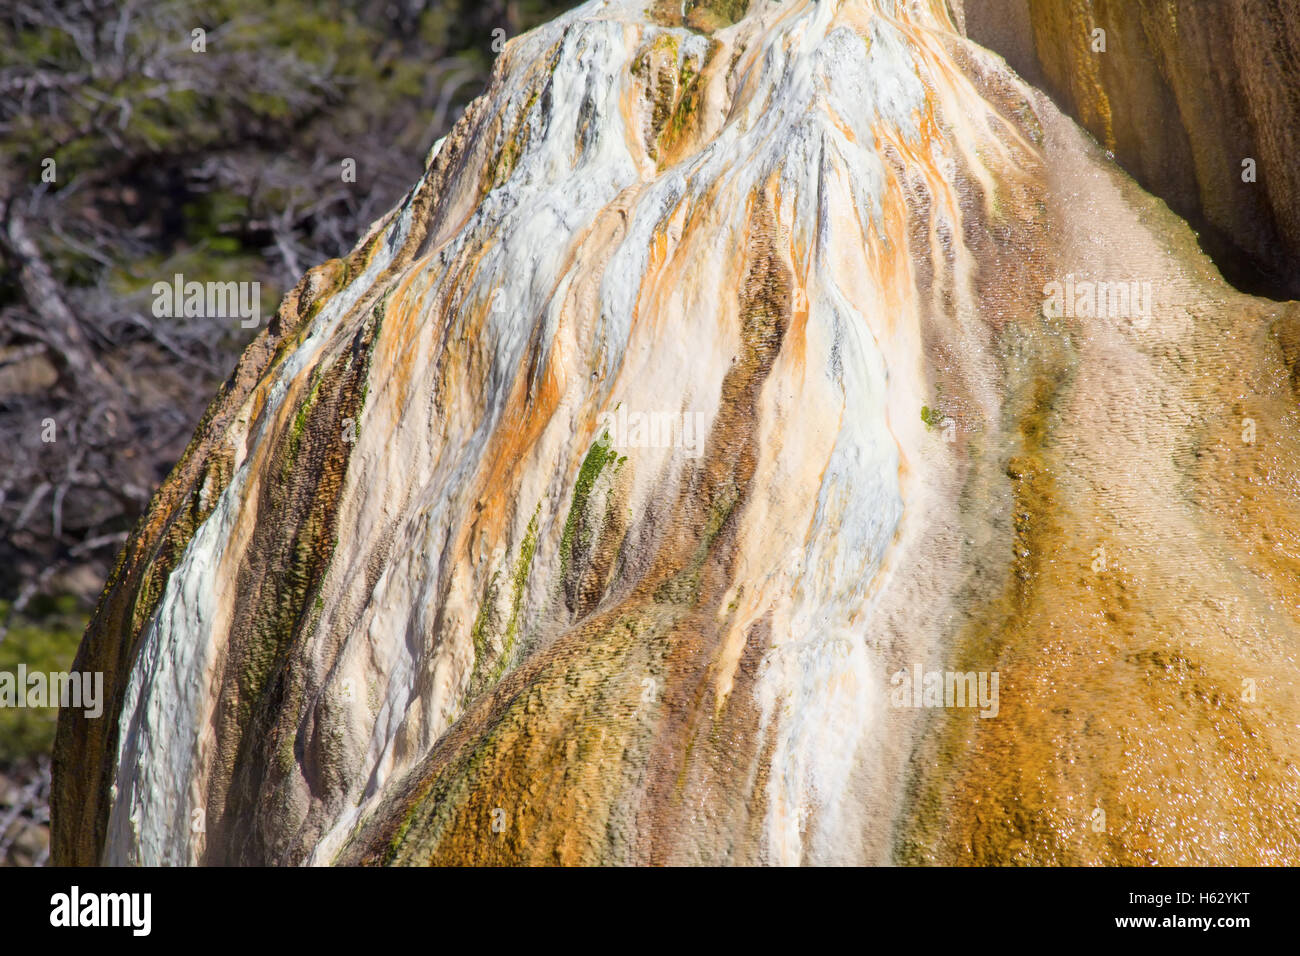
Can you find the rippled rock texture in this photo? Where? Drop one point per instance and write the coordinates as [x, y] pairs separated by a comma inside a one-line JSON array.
[[728, 364], [1183, 92]]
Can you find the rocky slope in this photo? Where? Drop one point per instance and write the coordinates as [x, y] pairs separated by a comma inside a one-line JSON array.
[[718, 370], [1183, 93]]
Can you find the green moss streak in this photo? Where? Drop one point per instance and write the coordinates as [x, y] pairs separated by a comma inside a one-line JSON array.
[[522, 567], [489, 668], [577, 531]]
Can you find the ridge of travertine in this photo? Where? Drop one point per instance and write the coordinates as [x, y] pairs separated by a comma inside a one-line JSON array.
[[422, 591]]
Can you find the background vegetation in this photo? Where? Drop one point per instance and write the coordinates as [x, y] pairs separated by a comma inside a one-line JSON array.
[[220, 165]]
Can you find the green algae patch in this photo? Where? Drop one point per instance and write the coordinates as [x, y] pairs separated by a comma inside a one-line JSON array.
[[481, 635], [525, 563], [578, 529], [684, 120], [701, 16], [490, 665], [517, 138], [655, 67], [705, 16]]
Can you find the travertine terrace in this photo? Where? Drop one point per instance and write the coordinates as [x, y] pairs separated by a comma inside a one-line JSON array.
[[406, 600]]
